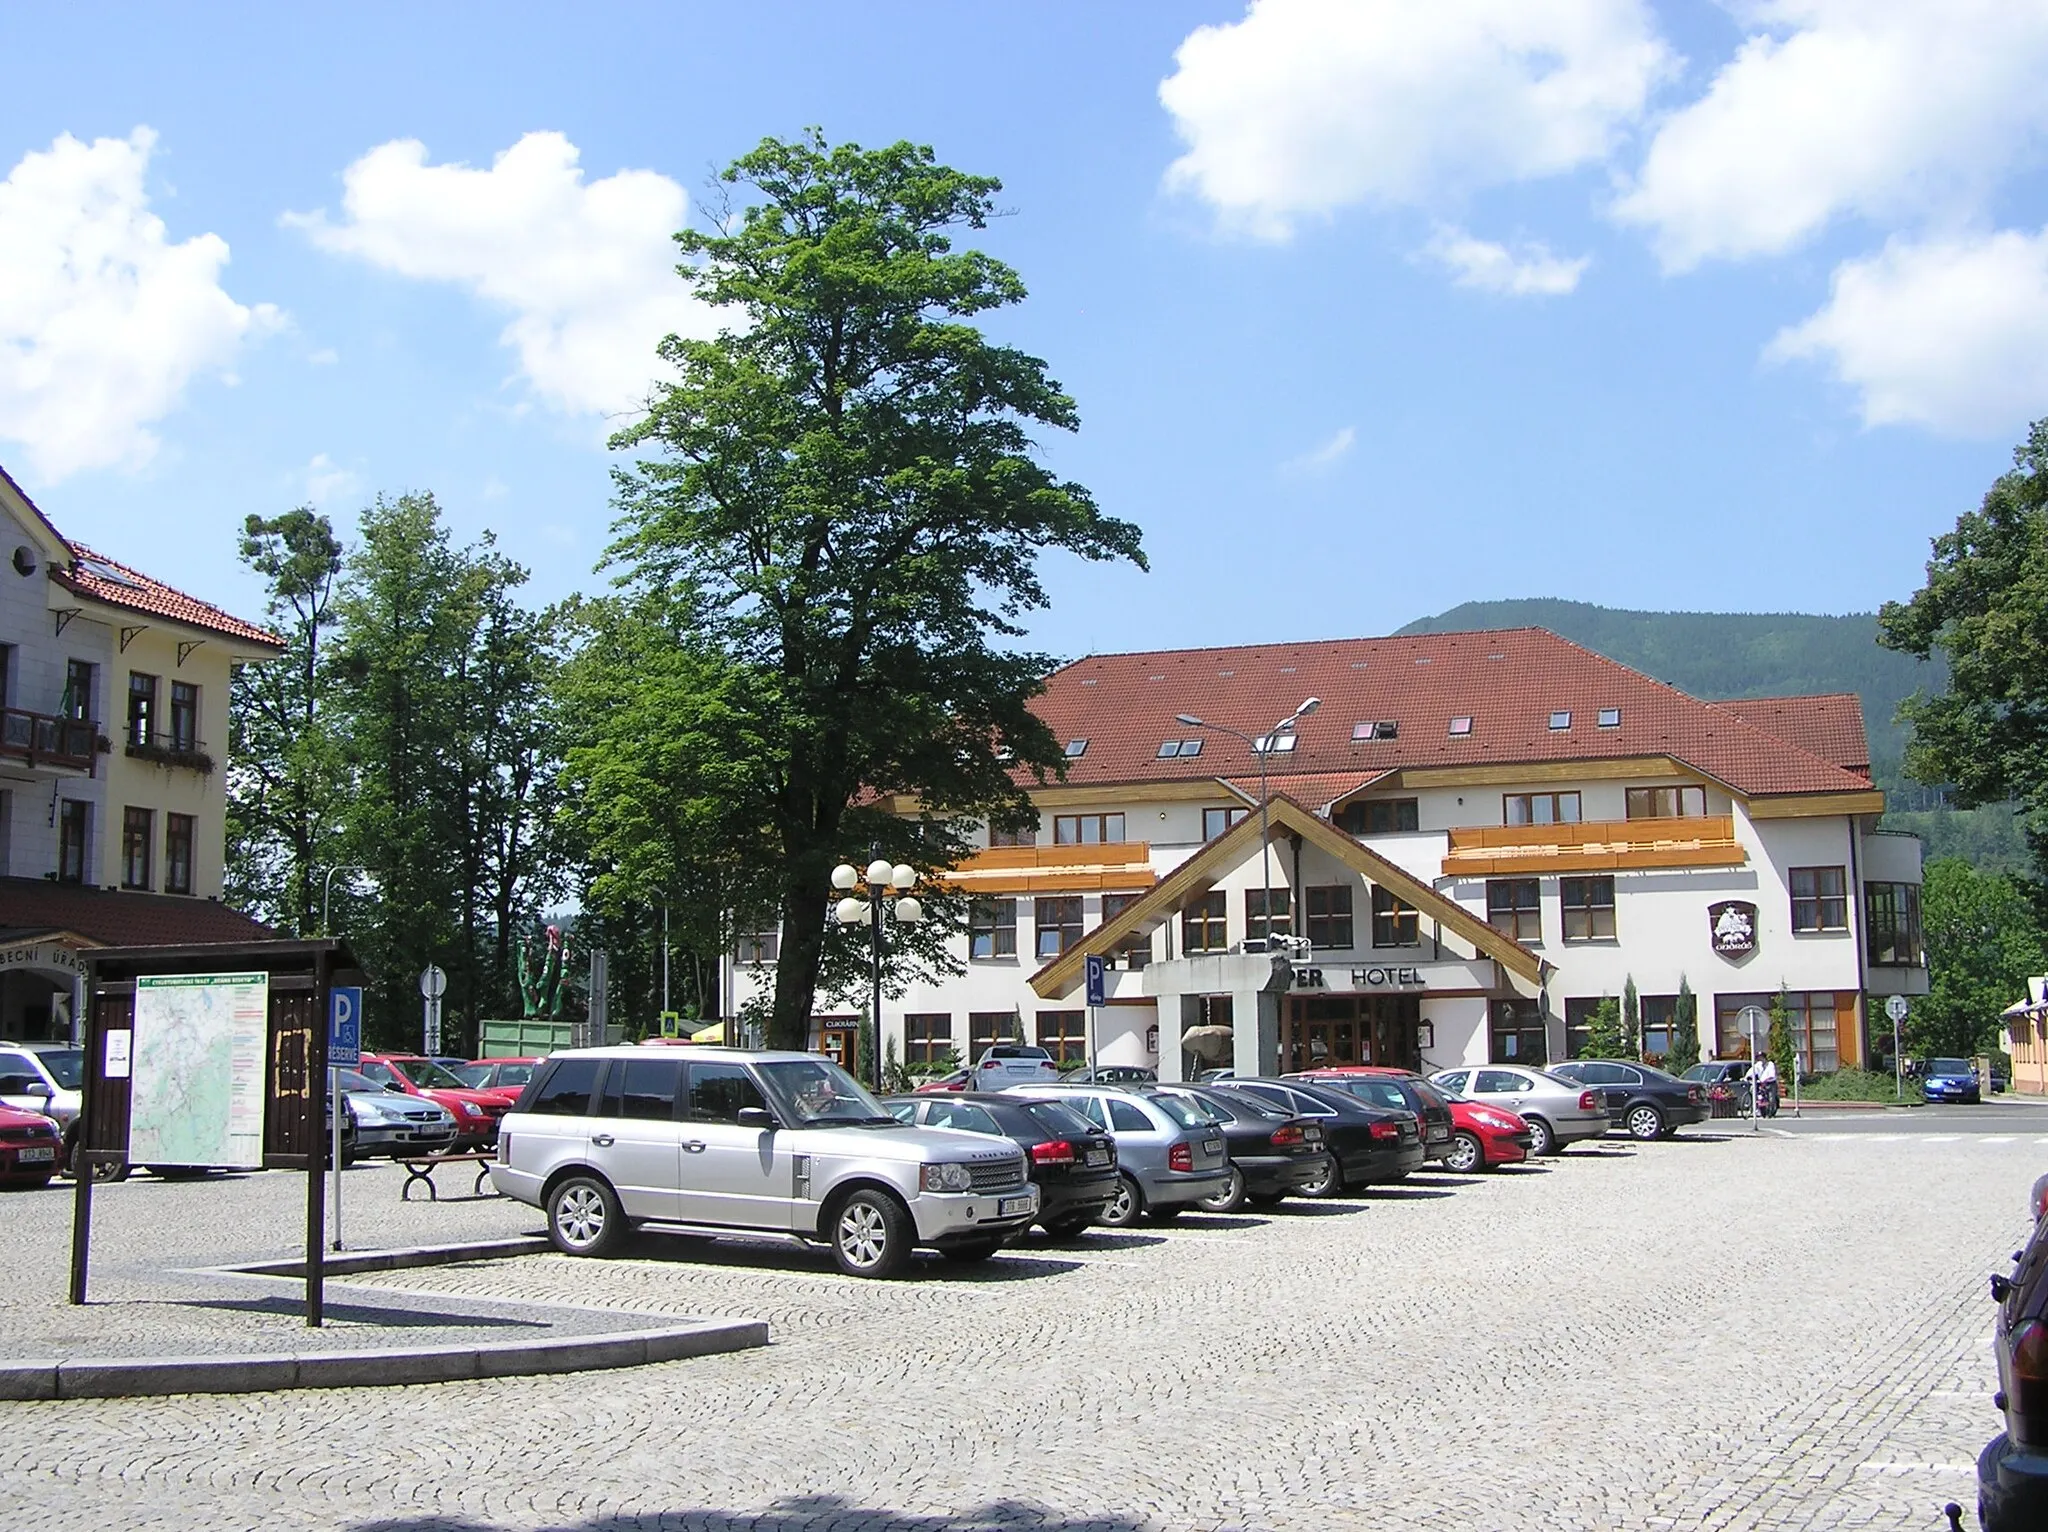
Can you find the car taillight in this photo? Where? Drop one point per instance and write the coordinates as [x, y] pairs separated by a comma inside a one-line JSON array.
[[1588, 1102], [1386, 1130], [1282, 1137], [1058, 1152], [504, 1148], [2029, 1397], [1181, 1157]]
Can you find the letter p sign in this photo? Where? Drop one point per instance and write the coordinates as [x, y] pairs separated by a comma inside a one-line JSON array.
[[345, 1027]]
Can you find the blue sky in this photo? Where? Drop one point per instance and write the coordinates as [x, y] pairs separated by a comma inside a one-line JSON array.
[[1381, 305]]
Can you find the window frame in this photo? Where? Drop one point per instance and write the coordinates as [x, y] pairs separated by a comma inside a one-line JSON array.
[[1261, 925], [1391, 914], [74, 840], [1068, 1031], [1101, 824], [1819, 902], [1886, 930], [181, 831], [1515, 1022], [927, 1036], [184, 715], [1068, 930], [1524, 920], [1682, 794], [1590, 910], [142, 719], [1135, 951], [1204, 919], [1329, 928], [1527, 807], [1000, 928], [138, 848], [1232, 817]]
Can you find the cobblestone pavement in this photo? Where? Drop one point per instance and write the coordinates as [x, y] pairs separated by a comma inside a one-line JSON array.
[[1557, 1347]]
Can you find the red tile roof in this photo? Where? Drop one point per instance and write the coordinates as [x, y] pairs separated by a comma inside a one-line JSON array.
[[121, 919], [103, 579], [1826, 724], [1314, 793], [1508, 682]]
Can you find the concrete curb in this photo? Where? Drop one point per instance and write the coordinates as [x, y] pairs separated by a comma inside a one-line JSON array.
[[346, 1265], [120, 1378]]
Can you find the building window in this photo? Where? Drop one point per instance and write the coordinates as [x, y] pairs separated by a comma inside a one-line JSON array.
[[141, 707], [927, 1037], [1087, 829], [138, 839], [77, 702], [184, 716], [1380, 816], [1204, 924], [1013, 837], [1540, 808], [1059, 924], [1610, 718], [1578, 1024], [1811, 1017], [1561, 719], [1667, 802], [1256, 921], [178, 832], [1394, 923], [1588, 908], [992, 928], [987, 1028], [1378, 728], [1461, 726], [1183, 748], [1892, 926], [1820, 899], [1514, 908], [1216, 821], [74, 826], [1132, 951], [1329, 916], [1076, 748], [760, 947], [1063, 1034], [1659, 1014], [1515, 1032]]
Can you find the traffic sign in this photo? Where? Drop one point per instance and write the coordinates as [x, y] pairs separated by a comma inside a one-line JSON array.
[[345, 1027], [1098, 979], [433, 983], [1896, 1008], [432, 1024]]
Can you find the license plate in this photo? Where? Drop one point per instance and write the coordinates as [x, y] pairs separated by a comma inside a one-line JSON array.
[[1311, 1135], [1010, 1205], [1098, 1156], [1212, 1146], [1439, 1133], [35, 1156]]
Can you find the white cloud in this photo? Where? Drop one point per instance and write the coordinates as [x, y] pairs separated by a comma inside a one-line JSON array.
[[103, 319], [1948, 334], [1890, 110], [326, 356], [1528, 270], [586, 269], [326, 482], [1325, 455], [1307, 106]]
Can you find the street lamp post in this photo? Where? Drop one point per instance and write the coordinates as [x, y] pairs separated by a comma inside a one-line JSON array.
[[1284, 726], [882, 881], [327, 890]]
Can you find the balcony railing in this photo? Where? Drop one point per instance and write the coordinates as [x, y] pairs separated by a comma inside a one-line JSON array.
[[170, 750], [46, 739], [1595, 846]]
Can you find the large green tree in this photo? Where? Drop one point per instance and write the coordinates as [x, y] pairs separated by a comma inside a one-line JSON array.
[[1983, 941], [1985, 609], [840, 497]]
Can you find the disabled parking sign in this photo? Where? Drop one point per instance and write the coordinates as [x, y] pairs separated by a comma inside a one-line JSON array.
[[345, 1027]]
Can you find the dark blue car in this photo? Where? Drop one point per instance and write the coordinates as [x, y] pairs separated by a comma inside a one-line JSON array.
[[1950, 1080]]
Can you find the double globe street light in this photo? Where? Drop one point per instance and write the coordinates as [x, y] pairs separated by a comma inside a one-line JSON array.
[[883, 880], [1262, 747]]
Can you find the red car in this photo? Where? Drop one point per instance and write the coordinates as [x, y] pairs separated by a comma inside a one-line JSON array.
[[31, 1148], [959, 1079], [1483, 1136], [505, 1076], [476, 1112]]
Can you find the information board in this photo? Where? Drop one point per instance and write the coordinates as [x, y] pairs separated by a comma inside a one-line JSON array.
[[197, 1060]]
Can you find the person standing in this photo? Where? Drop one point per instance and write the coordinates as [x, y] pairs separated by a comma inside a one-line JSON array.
[[1767, 1086]]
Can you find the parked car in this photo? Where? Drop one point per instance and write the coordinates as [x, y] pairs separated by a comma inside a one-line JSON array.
[[1950, 1080], [504, 1075], [1401, 1089], [1368, 1145], [1726, 1084], [1111, 1074], [31, 1148], [1169, 1153], [1004, 1064], [1481, 1137], [745, 1141], [1559, 1112], [1273, 1153], [45, 1078], [1648, 1102], [959, 1079], [1073, 1162], [476, 1112], [392, 1123], [2012, 1470]]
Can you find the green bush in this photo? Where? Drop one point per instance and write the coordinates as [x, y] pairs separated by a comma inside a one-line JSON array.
[[1853, 1085]]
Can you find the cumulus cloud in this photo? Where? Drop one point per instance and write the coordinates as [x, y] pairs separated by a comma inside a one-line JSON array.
[[104, 319], [327, 482], [1891, 110], [1528, 270], [1947, 334], [1307, 106], [1325, 455], [585, 269]]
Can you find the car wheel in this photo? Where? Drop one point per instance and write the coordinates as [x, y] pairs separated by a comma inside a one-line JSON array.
[[107, 1171], [1166, 1214], [1645, 1122], [1230, 1197], [1466, 1154], [871, 1235], [584, 1216], [1541, 1139], [1068, 1228], [980, 1250], [1329, 1181], [1267, 1199], [1124, 1207]]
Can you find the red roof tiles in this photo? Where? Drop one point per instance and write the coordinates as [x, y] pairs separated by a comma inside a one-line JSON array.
[[103, 579], [121, 919], [1826, 724], [1510, 683]]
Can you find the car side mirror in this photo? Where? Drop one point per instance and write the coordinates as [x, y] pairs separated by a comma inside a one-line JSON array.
[[39, 1088], [393, 1085], [755, 1117]]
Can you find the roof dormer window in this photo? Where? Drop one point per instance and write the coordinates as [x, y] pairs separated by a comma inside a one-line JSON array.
[[1076, 748], [1274, 744], [1610, 718], [1561, 719], [1382, 728], [1461, 726], [1182, 748]]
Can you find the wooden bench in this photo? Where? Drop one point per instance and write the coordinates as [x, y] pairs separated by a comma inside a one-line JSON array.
[[421, 1171]]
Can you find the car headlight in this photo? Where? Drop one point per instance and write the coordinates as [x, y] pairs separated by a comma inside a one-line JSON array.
[[944, 1178], [1490, 1120], [369, 1109]]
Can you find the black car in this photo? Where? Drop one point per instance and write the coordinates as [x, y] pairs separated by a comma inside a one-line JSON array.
[[1646, 1101], [1402, 1091], [1368, 1145], [2012, 1470], [1274, 1153], [1072, 1162]]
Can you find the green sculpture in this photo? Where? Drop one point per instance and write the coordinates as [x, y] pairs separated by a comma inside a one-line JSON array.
[[541, 990]]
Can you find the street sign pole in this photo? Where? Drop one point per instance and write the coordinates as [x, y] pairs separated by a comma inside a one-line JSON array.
[[1098, 985], [1750, 1017], [1896, 1008], [433, 984], [344, 1051]]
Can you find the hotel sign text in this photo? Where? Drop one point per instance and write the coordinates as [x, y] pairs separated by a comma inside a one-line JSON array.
[[1364, 978]]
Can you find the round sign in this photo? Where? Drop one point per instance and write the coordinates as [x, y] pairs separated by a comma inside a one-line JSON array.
[[1753, 1021], [1896, 1008], [433, 982]]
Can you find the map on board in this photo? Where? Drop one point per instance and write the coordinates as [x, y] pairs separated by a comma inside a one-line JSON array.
[[196, 1096]]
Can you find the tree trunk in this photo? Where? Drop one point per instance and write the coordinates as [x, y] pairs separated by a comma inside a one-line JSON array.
[[796, 973]]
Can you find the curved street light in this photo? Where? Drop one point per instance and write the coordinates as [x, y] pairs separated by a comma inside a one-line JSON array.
[[883, 879], [1262, 750]]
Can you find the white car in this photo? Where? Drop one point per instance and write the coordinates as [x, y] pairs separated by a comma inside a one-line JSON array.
[[47, 1078], [1002, 1065], [739, 1141]]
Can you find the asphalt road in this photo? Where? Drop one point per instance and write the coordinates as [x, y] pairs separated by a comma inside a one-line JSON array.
[[1999, 1115]]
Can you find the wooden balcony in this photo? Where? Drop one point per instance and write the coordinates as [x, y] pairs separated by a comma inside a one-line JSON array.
[[45, 739], [1612, 845], [1112, 867]]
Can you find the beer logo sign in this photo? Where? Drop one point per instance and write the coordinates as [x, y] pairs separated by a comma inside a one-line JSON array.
[[1733, 923]]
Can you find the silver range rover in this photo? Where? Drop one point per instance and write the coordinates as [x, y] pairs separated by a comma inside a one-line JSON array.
[[736, 1141]]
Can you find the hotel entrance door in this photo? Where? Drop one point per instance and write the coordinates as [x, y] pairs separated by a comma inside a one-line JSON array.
[[1321, 1031]]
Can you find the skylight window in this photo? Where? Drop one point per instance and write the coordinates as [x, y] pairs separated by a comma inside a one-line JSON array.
[[1561, 719], [1190, 747], [1179, 747], [1382, 728], [1461, 726], [1610, 718], [1274, 744], [105, 571], [1076, 748]]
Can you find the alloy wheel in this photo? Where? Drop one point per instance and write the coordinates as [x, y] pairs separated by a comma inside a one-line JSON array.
[[863, 1237], [1465, 1154], [580, 1216], [1230, 1197], [1645, 1122]]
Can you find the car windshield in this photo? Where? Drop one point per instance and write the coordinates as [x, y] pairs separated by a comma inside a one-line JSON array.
[[472, 1075], [1186, 1111], [818, 1093], [428, 1075], [1054, 1118], [66, 1066], [351, 1081], [1934, 1066]]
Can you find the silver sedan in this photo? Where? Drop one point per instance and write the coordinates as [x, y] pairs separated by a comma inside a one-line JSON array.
[[1558, 1111]]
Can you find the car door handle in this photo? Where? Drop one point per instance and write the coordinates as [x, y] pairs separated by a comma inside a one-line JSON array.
[[694, 1146], [602, 1140]]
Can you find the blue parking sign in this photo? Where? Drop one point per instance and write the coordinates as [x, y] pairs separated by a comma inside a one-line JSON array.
[[345, 1027], [1098, 979]]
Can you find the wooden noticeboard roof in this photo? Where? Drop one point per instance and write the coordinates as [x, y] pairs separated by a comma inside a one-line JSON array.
[[289, 958]]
